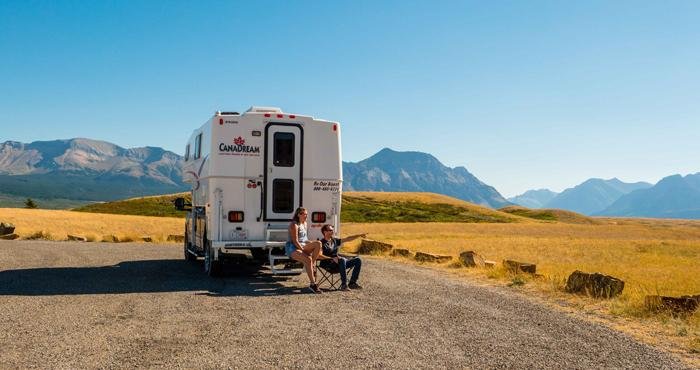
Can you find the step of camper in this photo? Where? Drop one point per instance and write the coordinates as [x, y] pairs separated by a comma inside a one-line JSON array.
[[277, 232], [277, 258]]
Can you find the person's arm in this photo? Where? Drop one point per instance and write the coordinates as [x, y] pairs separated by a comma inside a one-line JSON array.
[[352, 237]]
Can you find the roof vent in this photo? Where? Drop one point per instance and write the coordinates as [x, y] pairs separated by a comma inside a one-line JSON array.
[[264, 110]]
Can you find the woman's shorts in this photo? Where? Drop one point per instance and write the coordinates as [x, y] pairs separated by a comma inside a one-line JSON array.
[[289, 248]]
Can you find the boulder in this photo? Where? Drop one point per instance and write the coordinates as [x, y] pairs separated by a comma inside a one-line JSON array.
[[399, 252], [427, 257], [518, 267], [471, 259], [684, 305], [6, 228], [77, 238], [369, 246], [147, 239], [9, 236], [176, 238], [596, 284], [489, 264]]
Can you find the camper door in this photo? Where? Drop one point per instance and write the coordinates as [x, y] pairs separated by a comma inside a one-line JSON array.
[[283, 170]]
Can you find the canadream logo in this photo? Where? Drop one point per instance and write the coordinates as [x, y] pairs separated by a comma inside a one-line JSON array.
[[238, 146]]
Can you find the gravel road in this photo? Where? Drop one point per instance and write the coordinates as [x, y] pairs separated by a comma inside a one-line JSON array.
[[89, 305]]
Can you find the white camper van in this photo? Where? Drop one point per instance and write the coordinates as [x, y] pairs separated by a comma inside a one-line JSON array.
[[249, 172]]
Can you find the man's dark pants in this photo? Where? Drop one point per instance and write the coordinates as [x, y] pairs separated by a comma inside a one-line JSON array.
[[355, 264]]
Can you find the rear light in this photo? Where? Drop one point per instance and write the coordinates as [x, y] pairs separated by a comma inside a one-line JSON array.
[[235, 216], [292, 116], [335, 127], [280, 115], [221, 121], [318, 217], [267, 114]]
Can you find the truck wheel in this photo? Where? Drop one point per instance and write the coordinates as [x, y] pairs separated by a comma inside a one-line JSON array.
[[211, 268], [188, 256]]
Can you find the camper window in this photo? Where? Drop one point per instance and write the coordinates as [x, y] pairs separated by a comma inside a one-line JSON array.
[[283, 153], [198, 147], [187, 152], [283, 196]]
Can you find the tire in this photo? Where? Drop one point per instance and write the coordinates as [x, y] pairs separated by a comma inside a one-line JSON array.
[[190, 257], [211, 268]]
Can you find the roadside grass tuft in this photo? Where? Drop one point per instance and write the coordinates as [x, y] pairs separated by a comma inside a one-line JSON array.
[[40, 235], [517, 280], [694, 345]]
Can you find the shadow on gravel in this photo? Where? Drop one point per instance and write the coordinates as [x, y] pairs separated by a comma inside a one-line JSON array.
[[149, 276]]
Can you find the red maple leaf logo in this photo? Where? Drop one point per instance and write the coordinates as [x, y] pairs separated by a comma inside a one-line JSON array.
[[239, 141]]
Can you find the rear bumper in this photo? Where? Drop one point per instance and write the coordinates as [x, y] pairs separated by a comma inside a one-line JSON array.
[[246, 244]]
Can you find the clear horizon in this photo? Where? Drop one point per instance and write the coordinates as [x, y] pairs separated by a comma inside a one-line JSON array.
[[524, 95]]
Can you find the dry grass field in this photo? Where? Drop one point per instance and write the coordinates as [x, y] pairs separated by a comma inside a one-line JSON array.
[[651, 256], [57, 225]]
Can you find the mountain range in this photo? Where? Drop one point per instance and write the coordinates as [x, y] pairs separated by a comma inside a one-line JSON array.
[[534, 198], [76, 171], [85, 169], [92, 170], [672, 197], [390, 170], [593, 195]]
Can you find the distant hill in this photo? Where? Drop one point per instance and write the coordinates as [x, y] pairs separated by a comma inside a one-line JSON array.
[[86, 170], [16, 201], [673, 197], [415, 207], [593, 195], [356, 207], [558, 215], [534, 198], [389, 170], [157, 205]]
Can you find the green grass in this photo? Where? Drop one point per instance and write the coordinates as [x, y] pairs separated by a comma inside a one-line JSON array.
[[549, 215], [160, 206], [17, 201], [367, 209], [544, 215]]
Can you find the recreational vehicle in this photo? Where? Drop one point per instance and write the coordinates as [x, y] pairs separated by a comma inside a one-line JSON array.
[[248, 174]]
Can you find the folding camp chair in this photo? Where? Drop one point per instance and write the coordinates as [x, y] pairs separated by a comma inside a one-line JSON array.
[[330, 272]]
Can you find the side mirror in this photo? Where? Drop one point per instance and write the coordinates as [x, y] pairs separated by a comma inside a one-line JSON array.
[[180, 204]]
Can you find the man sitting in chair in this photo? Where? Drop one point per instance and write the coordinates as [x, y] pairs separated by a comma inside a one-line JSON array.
[[330, 246]]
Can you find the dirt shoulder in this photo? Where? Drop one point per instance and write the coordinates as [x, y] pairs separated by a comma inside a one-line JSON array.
[[91, 305]]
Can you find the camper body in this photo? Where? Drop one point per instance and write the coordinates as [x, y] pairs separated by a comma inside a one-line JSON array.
[[249, 172]]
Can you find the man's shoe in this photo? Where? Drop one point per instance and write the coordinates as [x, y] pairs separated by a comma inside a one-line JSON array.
[[344, 288], [354, 286], [314, 289]]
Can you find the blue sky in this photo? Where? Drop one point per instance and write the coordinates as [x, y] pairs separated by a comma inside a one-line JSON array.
[[525, 94]]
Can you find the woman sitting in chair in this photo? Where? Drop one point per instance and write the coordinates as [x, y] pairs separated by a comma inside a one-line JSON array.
[[300, 248], [330, 249]]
